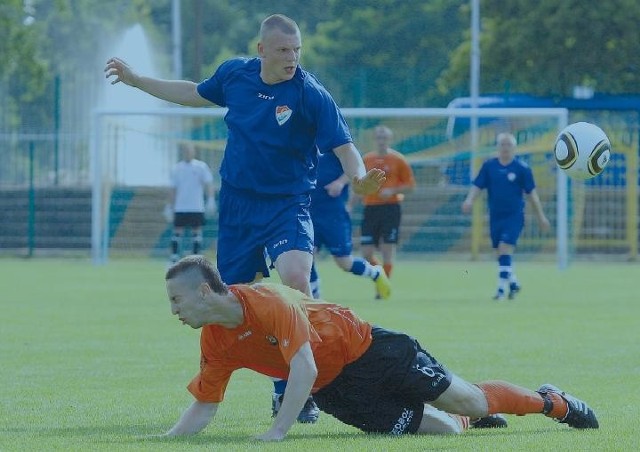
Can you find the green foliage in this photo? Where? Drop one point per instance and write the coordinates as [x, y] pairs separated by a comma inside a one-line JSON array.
[[93, 360], [548, 47]]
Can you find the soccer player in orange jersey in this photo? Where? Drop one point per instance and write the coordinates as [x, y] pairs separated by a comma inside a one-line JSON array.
[[366, 376], [382, 212]]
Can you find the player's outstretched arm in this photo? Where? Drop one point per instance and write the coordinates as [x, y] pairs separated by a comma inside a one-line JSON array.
[[363, 182], [181, 92], [194, 419], [302, 375]]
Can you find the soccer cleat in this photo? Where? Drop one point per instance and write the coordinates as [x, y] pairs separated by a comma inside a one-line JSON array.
[[514, 288], [383, 285], [308, 415], [492, 421], [499, 296], [579, 415]]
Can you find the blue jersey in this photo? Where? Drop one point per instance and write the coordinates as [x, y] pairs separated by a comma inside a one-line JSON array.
[[274, 131], [329, 169], [506, 185]]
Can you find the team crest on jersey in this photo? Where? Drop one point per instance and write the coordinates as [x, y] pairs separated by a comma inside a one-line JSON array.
[[511, 177], [272, 340], [283, 113]]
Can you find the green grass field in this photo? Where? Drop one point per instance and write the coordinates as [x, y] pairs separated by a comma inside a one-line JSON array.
[[91, 359]]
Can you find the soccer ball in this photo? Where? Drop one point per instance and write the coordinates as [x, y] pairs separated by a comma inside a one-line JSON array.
[[582, 150]]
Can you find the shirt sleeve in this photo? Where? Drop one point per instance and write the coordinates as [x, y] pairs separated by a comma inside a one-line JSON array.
[[481, 181], [210, 384], [332, 129], [212, 88]]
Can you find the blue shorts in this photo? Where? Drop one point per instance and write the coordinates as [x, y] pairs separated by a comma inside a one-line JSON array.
[[506, 229], [332, 229], [252, 226]]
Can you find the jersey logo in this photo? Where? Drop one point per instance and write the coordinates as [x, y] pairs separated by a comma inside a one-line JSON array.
[[272, 340], [511, 177], [283, 113]]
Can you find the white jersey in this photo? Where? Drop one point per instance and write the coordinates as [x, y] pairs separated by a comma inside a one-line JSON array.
[[189, 179]]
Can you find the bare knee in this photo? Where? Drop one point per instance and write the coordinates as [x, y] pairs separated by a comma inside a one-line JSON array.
[[463, 398], [436, 422]]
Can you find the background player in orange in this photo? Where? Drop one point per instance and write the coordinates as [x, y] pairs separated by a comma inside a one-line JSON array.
[[382, 211], [366, 376]]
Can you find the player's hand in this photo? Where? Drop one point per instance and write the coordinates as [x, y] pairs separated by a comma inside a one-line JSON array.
[[370, 183], [544, 224], [210, 208], [271, 435], [466, 206], [121, 70]]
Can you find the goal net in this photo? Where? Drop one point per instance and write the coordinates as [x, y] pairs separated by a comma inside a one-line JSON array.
[[133, 153]]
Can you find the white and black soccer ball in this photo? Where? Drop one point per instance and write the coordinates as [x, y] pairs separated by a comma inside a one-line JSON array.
[[582, 150]]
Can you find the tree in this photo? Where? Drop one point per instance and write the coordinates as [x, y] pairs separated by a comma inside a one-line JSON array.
[[388, 52], [547, 47]]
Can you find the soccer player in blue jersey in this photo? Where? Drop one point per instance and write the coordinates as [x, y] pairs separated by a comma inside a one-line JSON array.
[[507, 180], [278, 117], [332, 226]]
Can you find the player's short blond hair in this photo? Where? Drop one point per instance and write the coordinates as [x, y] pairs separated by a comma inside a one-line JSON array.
[[278, 22], [506, 135]]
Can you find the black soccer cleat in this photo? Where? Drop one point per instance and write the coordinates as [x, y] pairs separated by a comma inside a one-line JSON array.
[[308, 415], [492, 421], [579, 414]]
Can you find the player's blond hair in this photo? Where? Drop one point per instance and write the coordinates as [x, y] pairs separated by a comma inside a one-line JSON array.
[[278, 22]]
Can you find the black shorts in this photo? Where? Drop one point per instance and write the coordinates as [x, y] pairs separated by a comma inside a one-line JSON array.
[[384, 390], [380, 223], [188, 219]]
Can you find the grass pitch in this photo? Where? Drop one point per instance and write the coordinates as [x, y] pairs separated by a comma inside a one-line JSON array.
[[91, 359]]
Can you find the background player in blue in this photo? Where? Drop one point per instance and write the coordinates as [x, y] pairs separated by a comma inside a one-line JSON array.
[[507, 180], [332, 225], [278, 117]]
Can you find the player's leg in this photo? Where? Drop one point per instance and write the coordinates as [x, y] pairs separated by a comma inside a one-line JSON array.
[[496, 230], [314, 279], [436, 422], [196, 232], [368, 236], [391, 215], [176, 238], [496, 396], [508, 247], [289, 242], [505, 259]]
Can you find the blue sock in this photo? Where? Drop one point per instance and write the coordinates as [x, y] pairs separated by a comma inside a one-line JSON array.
[[359, 266], [504, 271], [279, 386]]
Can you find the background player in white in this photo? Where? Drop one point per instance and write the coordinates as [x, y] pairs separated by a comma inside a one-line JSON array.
[[191, 180]]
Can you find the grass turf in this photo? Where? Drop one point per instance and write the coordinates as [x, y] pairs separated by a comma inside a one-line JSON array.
[[91, 359]]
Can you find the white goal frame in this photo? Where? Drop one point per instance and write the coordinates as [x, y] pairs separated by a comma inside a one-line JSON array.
[[100, 215]]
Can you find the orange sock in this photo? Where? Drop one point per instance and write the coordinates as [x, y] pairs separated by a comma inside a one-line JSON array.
[[504, 397], [387, 269]]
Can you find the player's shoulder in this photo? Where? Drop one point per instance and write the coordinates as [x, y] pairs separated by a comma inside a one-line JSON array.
[[520, 163], [393, 154], [244, 64]]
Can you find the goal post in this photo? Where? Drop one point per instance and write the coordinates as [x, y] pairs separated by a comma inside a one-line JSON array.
[[133, 151]]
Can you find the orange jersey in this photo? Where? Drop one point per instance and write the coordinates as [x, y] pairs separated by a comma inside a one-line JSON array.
[[397, 171], [278, 320]]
